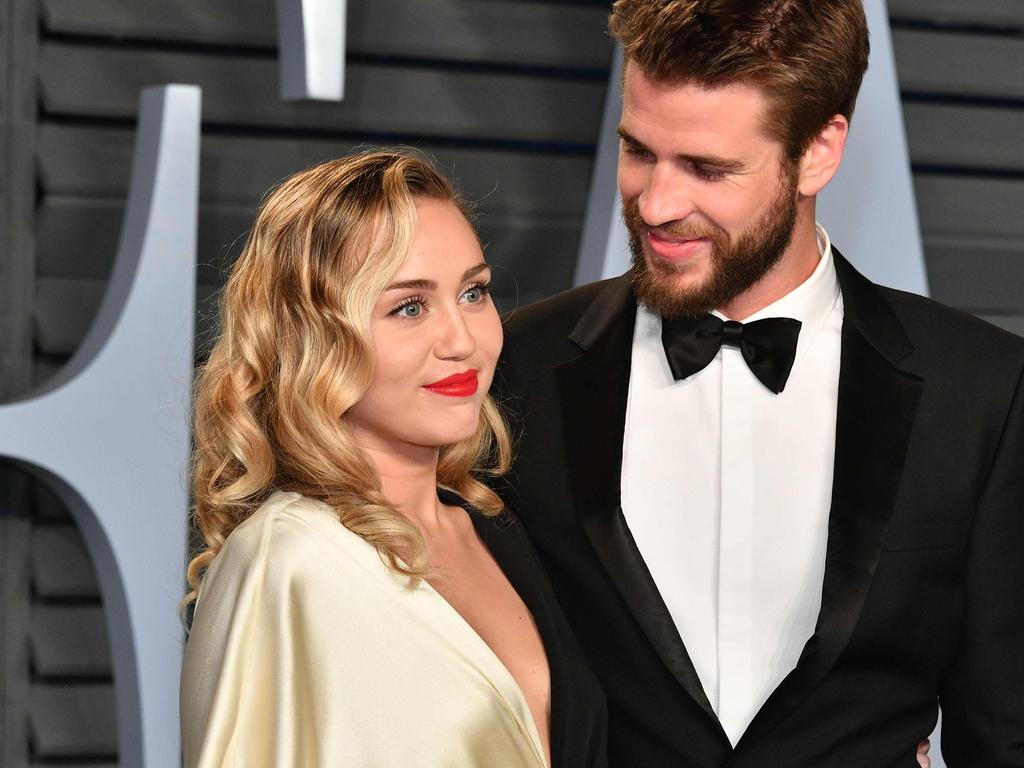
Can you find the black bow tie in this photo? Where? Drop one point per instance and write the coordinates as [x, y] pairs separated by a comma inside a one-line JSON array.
[[768, 346]]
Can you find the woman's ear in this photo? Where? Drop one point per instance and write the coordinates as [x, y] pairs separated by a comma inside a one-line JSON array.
[[821, 159]]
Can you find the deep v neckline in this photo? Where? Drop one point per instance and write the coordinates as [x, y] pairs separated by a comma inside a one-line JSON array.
[[484, 527]]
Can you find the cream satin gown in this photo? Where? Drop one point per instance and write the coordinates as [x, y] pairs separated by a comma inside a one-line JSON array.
[[306, 650]]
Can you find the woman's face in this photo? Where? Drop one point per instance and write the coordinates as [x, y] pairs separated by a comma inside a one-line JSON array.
[[436, 339]]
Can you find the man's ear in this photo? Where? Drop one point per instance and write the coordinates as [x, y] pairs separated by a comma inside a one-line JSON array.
[[821, 159]]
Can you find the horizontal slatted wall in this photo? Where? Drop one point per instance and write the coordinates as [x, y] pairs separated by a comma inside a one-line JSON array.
[[515, 122], [71, 710], [961, 70], [506, 95]]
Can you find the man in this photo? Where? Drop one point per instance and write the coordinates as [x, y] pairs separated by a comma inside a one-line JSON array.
[[783, 507]]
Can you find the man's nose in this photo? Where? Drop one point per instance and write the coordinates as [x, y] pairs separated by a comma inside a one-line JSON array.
[[666, 197]]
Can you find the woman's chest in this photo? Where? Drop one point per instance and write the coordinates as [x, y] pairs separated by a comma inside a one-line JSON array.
[[475, 586]]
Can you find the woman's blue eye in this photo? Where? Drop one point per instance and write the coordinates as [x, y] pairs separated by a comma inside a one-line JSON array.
[[412, 309], [475, 294]]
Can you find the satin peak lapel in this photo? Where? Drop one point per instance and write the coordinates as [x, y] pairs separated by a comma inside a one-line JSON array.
[[877, 405], [594, 388]]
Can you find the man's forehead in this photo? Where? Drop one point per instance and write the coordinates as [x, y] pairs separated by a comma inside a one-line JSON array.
[[637, 84], [737, 111]]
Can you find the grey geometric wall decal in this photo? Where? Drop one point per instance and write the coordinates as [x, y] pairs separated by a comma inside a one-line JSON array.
[[604, 247], [869, 208], [311, 49], [110, 432]]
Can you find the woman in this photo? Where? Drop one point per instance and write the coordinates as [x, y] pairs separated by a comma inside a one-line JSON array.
[[362, 599]]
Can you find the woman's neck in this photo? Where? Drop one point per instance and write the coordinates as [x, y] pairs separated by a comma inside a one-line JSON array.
[[408, 479]]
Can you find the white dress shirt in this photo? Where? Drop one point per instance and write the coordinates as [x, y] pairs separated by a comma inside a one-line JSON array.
[[726, 488]]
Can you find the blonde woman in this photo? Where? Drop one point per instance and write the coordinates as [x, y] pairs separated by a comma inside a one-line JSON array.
[[363, 600]]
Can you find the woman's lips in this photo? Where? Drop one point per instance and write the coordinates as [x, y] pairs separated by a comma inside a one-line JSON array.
[[457, 385], [674, 249]]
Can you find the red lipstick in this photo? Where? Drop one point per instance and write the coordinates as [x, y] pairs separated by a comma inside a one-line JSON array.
[[457, 385]]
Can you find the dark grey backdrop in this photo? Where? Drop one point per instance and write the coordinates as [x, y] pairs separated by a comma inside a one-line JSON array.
[[507, 94]]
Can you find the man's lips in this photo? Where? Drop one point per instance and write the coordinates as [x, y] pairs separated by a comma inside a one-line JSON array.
[[674, 248], [457, 385]]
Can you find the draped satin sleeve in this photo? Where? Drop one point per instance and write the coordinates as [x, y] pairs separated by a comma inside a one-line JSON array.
[[306, 650]]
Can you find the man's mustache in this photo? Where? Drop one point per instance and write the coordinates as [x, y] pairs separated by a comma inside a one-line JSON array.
[[674, 230]]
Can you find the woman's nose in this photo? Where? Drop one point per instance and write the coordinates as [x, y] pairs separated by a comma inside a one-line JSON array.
[[456, 340]]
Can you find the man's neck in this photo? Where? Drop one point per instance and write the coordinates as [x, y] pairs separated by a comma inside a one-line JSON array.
[[797, 264]]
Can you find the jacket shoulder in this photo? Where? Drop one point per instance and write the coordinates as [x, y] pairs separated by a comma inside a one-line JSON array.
[[560, 312], [953, 334]]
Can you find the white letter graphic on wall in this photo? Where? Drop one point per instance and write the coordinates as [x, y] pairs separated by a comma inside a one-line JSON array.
[[311, 49], [110, 432]]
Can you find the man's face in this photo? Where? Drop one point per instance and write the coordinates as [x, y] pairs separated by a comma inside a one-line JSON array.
[[708, 199]]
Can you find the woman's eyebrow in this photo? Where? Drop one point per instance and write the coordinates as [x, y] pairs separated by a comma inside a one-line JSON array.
[[421, 284], [413, 285], [474, 271]]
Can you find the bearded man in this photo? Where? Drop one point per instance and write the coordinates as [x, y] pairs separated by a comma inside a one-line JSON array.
[[783, 507]]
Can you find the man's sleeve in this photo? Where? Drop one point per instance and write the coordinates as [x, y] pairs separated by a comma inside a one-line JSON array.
[[982, 696]]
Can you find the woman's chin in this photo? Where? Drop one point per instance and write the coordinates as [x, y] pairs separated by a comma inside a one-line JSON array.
[[456, 432], [438, 435]]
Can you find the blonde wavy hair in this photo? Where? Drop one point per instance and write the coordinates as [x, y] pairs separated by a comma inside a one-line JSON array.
[[295, 353]]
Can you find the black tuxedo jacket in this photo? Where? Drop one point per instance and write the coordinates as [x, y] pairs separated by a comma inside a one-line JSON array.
[[579, 716], [923, 594]]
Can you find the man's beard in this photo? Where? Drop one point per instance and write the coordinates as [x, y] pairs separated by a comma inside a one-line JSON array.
[[734, 267]]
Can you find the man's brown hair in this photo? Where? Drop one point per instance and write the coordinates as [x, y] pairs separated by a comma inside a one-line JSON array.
[[807, 56]]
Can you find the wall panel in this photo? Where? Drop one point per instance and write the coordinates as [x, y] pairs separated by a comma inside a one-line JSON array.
[[507, 95], [238, 168], [966, 137], [403, 100], [979, 65], [993, 14], [545, 34]]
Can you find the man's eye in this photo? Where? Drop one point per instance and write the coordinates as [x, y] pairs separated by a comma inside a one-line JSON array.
[[638, 152], [708, 174]]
